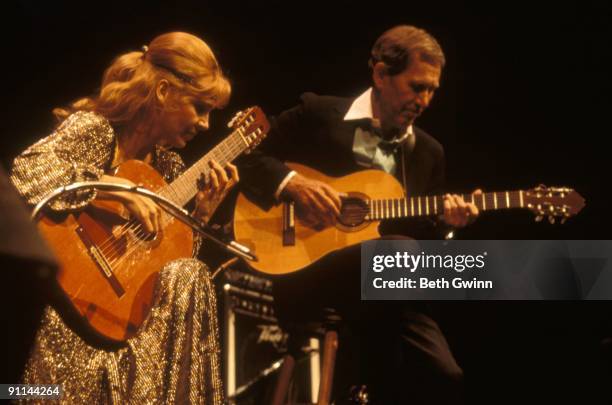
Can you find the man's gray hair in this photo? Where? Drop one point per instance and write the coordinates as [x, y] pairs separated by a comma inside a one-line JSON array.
[[398, 46]]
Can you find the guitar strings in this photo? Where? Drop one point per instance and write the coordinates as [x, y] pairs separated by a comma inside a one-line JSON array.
[[111, 244], [115, 256], [137, 243], [133, 225], [109, 248]]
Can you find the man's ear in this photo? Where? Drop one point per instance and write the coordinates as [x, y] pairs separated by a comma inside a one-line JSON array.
[[162, 91], [379, 72]]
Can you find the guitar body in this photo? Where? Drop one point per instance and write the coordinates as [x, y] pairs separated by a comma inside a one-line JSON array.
[[283, 244], [262, 231], [114, 306], [109, 265]]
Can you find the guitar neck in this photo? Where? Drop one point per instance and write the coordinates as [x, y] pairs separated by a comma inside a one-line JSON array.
[[434, 205], [184, 187]]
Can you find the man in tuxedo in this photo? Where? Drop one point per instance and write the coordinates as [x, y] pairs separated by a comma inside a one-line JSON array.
[[402, 350]]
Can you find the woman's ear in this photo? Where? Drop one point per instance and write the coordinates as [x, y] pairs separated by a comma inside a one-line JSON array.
[[162, 90]]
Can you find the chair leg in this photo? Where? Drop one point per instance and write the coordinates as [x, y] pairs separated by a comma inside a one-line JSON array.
[[284, 378], [330, 347]]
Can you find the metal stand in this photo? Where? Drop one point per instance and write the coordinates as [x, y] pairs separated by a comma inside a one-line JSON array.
[[330, 348], [170, 207]]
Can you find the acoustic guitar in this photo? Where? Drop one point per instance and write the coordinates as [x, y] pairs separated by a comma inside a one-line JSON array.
[[109, 265], [283, 244]]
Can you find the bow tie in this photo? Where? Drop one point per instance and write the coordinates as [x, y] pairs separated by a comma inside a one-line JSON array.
[[388, 146]]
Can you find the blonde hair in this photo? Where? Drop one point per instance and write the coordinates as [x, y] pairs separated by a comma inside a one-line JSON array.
[[129, 84]]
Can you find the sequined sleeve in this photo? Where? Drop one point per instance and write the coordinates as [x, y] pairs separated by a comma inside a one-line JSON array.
[[80, 149], [168, 163]]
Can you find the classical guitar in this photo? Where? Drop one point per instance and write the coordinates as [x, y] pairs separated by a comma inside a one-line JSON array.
[[283, 244], [109, 265]]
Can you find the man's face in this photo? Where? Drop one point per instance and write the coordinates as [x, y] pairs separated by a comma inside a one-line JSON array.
[[404, 96]]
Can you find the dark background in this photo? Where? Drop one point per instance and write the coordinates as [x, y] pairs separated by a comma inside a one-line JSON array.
[[524, 100]]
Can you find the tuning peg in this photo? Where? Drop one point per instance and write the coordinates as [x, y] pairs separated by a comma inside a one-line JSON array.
[[551, 219], [563, 220], [539, 218], [235, 118]]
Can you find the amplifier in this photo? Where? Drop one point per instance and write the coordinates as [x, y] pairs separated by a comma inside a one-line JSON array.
[[254, 344]]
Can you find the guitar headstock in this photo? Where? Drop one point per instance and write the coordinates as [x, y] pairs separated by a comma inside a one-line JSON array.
[[553, 202], [252, 125]]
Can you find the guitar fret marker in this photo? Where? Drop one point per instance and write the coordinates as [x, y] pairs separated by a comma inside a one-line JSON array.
[[521, 198], [507, 200], [495, 200]]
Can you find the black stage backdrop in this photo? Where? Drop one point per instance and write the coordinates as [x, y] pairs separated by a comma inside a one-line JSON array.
[[524, 100]]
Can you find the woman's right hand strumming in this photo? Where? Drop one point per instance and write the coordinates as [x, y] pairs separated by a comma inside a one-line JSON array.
[[143, 209]]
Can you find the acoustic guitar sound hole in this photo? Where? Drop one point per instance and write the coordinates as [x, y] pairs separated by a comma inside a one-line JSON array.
[[353, 211]]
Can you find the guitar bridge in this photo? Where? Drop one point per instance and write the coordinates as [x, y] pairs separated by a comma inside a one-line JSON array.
[[101, 262], [288, 223]]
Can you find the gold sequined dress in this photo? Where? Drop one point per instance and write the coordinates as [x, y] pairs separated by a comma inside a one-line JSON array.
[[174, 357]]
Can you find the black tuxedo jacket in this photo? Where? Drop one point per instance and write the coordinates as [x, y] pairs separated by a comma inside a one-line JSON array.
[[314, 133]]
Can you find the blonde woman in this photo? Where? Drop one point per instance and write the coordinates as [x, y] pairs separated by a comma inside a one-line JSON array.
[[150, 101]]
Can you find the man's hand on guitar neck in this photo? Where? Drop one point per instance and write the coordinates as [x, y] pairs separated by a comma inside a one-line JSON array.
[[317, 203], [457, 212]]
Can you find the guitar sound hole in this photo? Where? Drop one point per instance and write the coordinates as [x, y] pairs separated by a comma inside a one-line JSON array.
[[353, 211]]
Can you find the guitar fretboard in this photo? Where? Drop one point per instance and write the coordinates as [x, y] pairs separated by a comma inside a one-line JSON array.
[[185, 187], [434, 205]]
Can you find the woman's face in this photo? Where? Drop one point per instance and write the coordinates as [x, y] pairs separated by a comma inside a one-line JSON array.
[[181, 120]]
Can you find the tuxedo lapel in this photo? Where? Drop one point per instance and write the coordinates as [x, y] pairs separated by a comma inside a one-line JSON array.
[[418, 165], [341, 134]]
